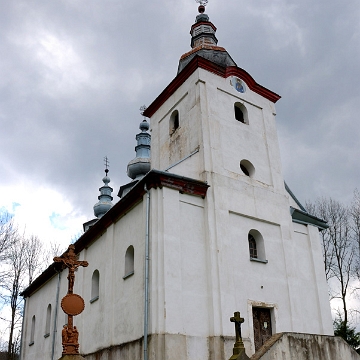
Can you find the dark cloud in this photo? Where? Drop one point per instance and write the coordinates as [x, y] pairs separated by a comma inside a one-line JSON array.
[[74, 74]]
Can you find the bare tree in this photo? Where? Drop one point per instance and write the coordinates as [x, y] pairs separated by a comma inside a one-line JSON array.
[[8, 233], [319, 209], [338, 248], [7, 230], [15, 280], [21, 264], [33, 257]]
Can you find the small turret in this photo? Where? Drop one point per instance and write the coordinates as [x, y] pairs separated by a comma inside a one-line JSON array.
[[140, 165], [105, 198]]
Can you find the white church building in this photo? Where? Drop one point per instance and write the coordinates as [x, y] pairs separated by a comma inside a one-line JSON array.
[[205, 228]]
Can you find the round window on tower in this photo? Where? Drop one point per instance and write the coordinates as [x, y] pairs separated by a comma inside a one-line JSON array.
[[247, 168]]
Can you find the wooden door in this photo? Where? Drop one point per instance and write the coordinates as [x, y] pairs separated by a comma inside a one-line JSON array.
[[262, 326]]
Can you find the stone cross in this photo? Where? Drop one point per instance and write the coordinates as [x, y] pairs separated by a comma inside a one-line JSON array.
[[239, 348], [72, 304], [238, 321]]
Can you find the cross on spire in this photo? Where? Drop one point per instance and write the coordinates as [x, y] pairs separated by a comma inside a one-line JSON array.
[[202, 2], [142, 109], [106, 163]]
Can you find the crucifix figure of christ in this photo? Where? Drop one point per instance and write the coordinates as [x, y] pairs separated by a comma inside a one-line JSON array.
[[72, 304], [239, 345]]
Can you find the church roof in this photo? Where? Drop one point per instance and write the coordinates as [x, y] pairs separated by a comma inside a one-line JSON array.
[[199, 62], [153, 179]]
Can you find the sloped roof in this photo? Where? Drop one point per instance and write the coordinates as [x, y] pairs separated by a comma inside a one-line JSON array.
[[200, 62]]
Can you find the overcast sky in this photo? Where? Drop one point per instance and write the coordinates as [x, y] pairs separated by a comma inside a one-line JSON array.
[[73, 74]]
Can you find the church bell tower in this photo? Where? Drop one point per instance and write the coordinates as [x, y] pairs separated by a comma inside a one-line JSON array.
[[216, 124]]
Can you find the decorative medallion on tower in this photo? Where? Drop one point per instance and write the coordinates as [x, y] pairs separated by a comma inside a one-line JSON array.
[[104, 204], [237, 84]]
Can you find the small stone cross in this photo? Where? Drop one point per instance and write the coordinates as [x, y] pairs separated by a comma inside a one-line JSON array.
[[238, 321]]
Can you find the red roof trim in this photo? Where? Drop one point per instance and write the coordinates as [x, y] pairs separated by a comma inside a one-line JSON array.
[[251, 83], [203, 23], [153, 179], [200, 62]]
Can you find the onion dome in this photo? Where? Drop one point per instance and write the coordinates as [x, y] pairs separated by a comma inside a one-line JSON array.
[[204, 42], [141, 164], [104, 204]]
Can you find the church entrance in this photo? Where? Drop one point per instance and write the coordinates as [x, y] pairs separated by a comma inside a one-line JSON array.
[[262, 326]]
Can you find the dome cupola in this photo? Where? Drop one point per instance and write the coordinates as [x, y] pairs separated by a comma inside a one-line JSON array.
[[104, 204], [140, 165]]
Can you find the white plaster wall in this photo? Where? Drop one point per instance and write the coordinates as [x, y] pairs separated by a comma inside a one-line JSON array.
[[292, 282], [117, 316], [205, 103], [179, 274], [37, 305]]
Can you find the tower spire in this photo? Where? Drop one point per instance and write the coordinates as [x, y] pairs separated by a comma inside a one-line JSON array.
[[104, 204], [204, 42]]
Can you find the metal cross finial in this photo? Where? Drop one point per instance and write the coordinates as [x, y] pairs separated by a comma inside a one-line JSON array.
[[142, 109], [202, 2], [106, 163]]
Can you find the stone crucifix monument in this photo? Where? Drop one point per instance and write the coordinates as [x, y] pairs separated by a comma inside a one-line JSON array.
[[72, 304], [239, 349]]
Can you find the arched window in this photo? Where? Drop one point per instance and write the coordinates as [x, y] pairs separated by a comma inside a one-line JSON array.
[[95, 281], [48, 321], [252, 247], [174, 122], [32, 332], [129, 262], [256, 246], [240, 113]]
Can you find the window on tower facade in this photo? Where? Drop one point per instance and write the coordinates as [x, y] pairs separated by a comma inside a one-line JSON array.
[[240, 113], [256, 246], [252, 247], [95, 284], [48, 321], [129, 262], [174, 122], [247, 168], [32, 332]]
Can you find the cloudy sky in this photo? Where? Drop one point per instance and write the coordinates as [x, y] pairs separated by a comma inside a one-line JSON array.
[[73, 74]]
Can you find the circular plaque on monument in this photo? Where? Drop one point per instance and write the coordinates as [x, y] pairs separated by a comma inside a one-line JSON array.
[[72, 304]]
